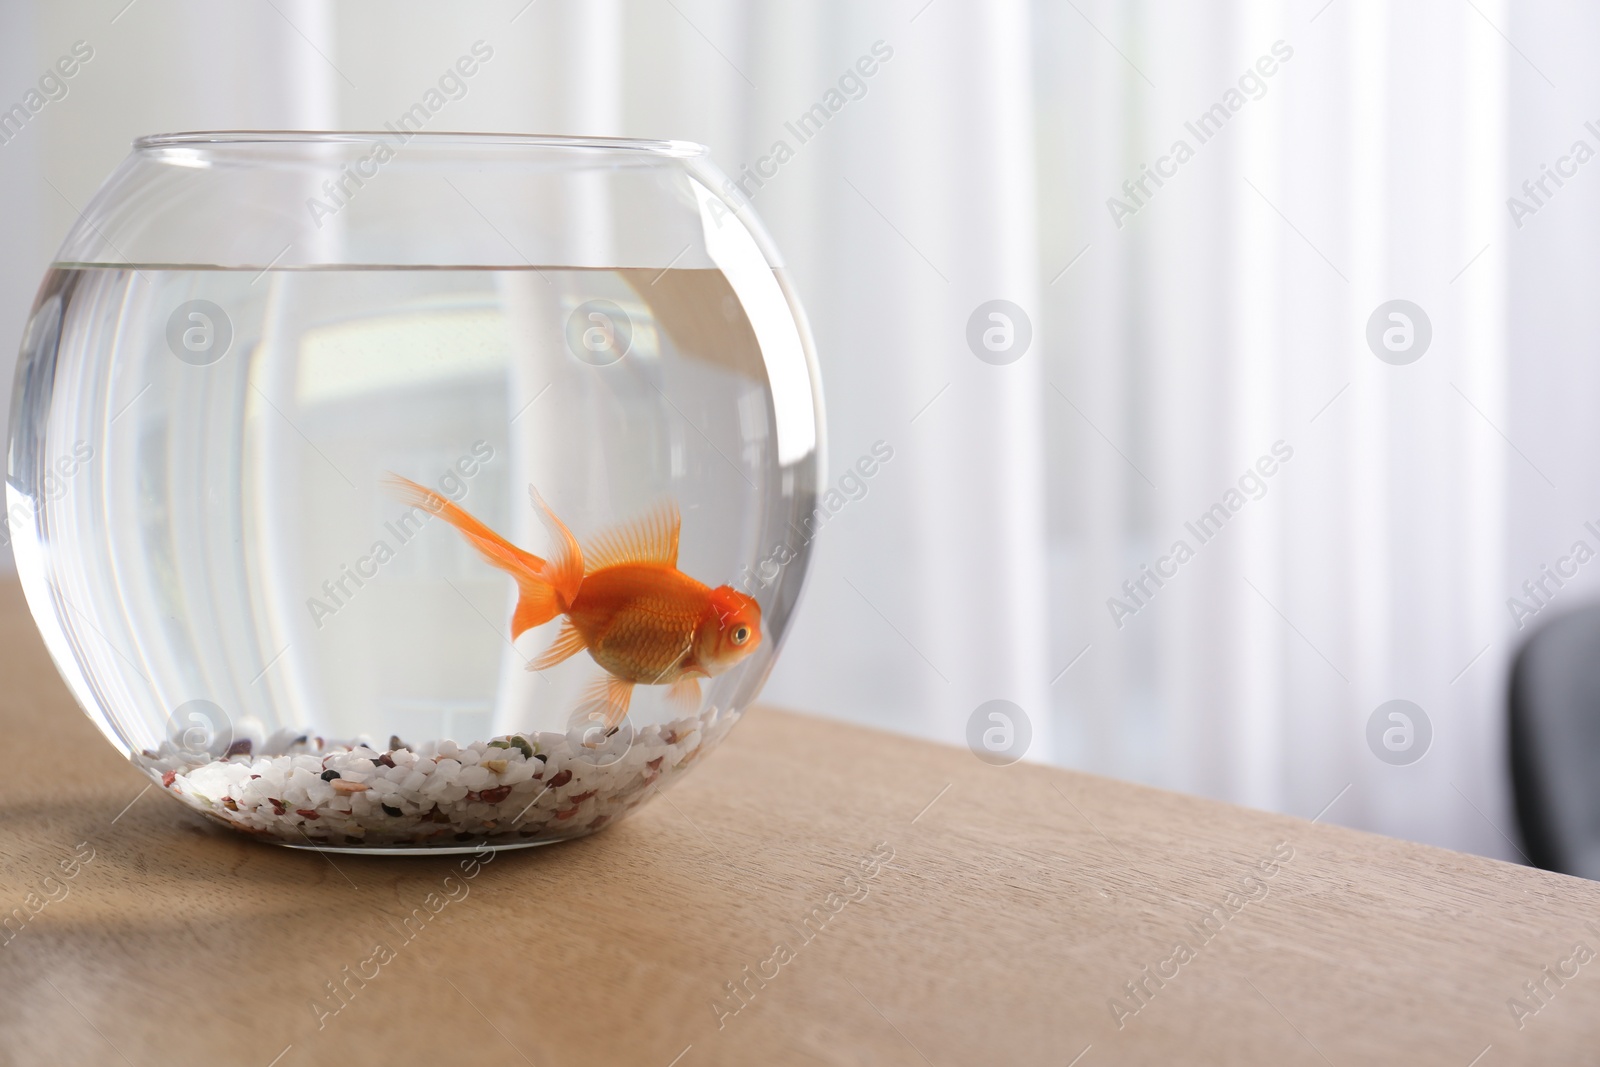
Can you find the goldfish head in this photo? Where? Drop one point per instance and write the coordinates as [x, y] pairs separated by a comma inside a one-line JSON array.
[[730, 631]]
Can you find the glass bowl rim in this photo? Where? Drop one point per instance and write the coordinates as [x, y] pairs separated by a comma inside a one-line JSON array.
[[443, 138]]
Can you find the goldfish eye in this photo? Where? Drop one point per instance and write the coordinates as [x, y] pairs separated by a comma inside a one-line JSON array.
[[741, 634]]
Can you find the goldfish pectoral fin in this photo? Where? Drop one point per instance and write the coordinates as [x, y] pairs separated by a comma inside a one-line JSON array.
[[565, 568], [652, 538], [606, 700], [568, 643], [684, 694]]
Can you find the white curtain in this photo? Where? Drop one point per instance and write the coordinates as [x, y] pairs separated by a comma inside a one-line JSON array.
[[28, 238], [1226, 313], [928, 596], [1229, 313]]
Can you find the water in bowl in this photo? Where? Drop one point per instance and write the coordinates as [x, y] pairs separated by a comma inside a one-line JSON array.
[[196, 487]]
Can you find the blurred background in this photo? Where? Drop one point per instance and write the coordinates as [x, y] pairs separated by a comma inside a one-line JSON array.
[[1202, 216]]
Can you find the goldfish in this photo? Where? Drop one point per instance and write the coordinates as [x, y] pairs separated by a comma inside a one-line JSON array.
[[622, 599]]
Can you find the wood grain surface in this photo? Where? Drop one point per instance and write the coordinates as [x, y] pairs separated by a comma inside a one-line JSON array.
[[906, 903]]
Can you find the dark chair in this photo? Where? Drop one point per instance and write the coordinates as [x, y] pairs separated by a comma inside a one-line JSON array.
[[1555, 743]]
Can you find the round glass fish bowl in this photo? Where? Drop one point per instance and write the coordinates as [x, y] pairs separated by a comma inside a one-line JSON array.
[[404, 492]]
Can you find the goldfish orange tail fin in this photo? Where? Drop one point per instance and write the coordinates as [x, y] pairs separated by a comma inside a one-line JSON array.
[[543, 595], [565, 569]]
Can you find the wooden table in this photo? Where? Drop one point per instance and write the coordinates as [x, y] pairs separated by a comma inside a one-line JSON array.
[[1018, 905]]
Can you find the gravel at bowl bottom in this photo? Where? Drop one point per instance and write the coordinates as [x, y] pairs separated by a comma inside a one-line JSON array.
[[299, 789]]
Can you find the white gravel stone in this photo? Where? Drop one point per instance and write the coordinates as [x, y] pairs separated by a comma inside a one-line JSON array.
[[444, 793]]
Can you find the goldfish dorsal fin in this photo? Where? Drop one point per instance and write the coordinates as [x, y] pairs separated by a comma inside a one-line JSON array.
[[564, 569], [650, 539]]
